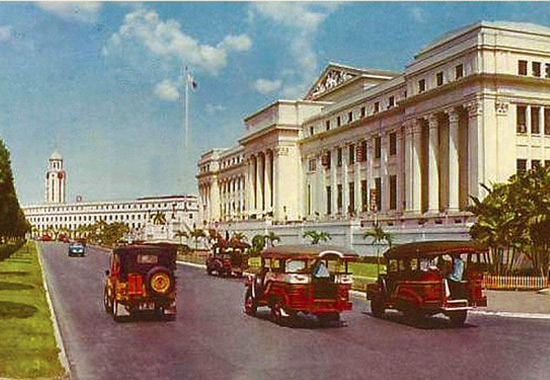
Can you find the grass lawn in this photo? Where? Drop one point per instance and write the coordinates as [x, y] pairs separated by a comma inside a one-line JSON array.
[[366, 269], [27, 344]]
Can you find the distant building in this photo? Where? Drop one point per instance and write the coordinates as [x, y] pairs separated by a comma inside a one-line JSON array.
[[179, 211], [406, 150]]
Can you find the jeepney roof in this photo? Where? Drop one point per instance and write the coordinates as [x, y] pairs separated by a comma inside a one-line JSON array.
[[308, 252], [134, 249], [433, 249]]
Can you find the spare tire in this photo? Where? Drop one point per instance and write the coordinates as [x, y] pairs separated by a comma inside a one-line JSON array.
[[160, 281]]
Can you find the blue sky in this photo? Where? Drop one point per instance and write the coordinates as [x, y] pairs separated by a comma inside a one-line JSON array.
[[101, 82]]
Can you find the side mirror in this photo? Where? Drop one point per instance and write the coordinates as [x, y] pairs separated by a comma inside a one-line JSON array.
[[107, 272]]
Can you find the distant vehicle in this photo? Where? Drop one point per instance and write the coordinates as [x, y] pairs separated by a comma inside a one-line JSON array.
[[45, 237], [77, 249], [141, 277], [228, 258], [63, 238], [431, 277], [313, 279]]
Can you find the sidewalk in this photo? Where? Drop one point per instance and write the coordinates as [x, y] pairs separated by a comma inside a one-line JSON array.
[[530, 302]]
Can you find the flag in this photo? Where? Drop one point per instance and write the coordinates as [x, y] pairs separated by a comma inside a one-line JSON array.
[[192, 81]]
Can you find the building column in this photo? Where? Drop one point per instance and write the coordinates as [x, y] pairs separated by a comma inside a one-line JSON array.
[[249, 198], [384, 195], [453, 185], [267, 181], [400, 195], [408, 128], [475, 148], [433, 165], [345, 181], [321, 183], [357, 182], [334, 181], [416, 178]]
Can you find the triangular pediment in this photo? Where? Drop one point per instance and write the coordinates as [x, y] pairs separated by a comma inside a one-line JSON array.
[[333, 76]]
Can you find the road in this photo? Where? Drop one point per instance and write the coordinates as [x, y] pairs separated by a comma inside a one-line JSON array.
[[212, 338]]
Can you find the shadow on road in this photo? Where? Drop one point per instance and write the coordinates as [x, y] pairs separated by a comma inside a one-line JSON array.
[[436, 322], [301, 321]]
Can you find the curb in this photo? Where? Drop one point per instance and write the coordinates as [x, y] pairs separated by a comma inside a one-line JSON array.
[[57, 332], [508, 314]]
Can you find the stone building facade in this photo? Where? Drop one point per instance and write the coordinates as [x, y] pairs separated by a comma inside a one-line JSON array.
[[403, 149]]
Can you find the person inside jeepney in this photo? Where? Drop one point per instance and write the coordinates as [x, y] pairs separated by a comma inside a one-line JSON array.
[[320, 270], [458, 269]]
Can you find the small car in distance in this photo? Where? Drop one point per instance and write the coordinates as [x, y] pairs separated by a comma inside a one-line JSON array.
[[77, 249], [141, 277], [430, 277], [310, 279]]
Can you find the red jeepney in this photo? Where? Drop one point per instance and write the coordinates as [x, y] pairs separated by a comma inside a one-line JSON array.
[[431, 277], [295, 278]]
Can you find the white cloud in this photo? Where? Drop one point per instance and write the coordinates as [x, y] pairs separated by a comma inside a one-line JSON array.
[[214, 108], [301, 22], [81, 11], [5, 33], [166, 90], [418, 14], [266, 86], [166, 40]]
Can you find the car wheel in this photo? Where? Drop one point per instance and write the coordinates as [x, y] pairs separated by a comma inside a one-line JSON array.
[[208, 271], [377, 307], [276, 314], [106, 303], [458, 317], [250, 306]]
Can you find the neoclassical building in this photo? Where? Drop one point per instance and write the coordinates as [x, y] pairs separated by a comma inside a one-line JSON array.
[[180, 211], [405, 149]]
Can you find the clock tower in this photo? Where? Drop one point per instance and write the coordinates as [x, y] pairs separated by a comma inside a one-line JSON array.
[[56, 179]]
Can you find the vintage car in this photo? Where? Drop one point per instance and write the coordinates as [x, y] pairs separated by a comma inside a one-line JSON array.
[[310, 279], [431, 277], [77, 249], [228, 258], [141, 277]]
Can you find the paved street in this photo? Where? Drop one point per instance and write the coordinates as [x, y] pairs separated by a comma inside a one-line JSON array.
[[212, 338]]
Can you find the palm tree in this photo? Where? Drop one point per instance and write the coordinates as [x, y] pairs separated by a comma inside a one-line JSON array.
[[271, 238], [159, 218], [181, 234], [197, 234], [258, 244], [317, 236], [378, 236]]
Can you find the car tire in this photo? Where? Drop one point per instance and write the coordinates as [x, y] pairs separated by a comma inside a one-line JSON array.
[[159, 281], [106, 303], [377, 307], [458, 318], [276, 314], [250, 305]]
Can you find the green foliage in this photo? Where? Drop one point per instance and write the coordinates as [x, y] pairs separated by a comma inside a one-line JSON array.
[[27, 343], [12, 220], [378, 236], [317, 236], [514, 217], [258, 244], [159, 218], [197, 234]]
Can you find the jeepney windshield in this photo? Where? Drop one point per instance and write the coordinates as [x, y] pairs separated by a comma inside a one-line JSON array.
[[294, 266]]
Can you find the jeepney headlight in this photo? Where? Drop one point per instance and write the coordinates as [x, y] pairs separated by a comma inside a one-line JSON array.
[[344, 279], [294, 278]]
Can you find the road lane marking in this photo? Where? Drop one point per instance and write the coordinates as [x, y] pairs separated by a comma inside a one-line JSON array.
[[507, 314]]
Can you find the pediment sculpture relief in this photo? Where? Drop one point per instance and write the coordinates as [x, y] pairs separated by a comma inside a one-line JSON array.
[[332, 79]]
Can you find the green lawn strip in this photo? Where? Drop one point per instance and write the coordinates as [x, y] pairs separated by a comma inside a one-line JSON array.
[[27, 343]]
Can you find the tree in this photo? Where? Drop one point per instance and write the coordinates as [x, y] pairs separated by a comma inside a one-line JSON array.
[[271, 238], [317, 236], [258, 244], [181, 234], [197, 234], [378, 236], [159, 218]]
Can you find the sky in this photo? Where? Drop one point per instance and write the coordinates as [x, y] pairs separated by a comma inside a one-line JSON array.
[[102, 82]]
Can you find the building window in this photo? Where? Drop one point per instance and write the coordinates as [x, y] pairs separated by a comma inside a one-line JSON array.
[[327, 125], [326, 159], [351, 154], [338, 121], [421, 85], [522, 67], [521, 127], [350, 117], [536, 68], [378, 187], [362, 151], [439, 78], [376, 107], [363, 112], [312, 165], [521, 165], [339, 157], [535, 164], [351, 192], [364, 202], [377, 147], [547, 163], [339, 198], [311, 131], [391, 101], [459, 71], [547, 121], [393, 192], [329, 201], [535, 129], [393, 144], [547, 70]]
